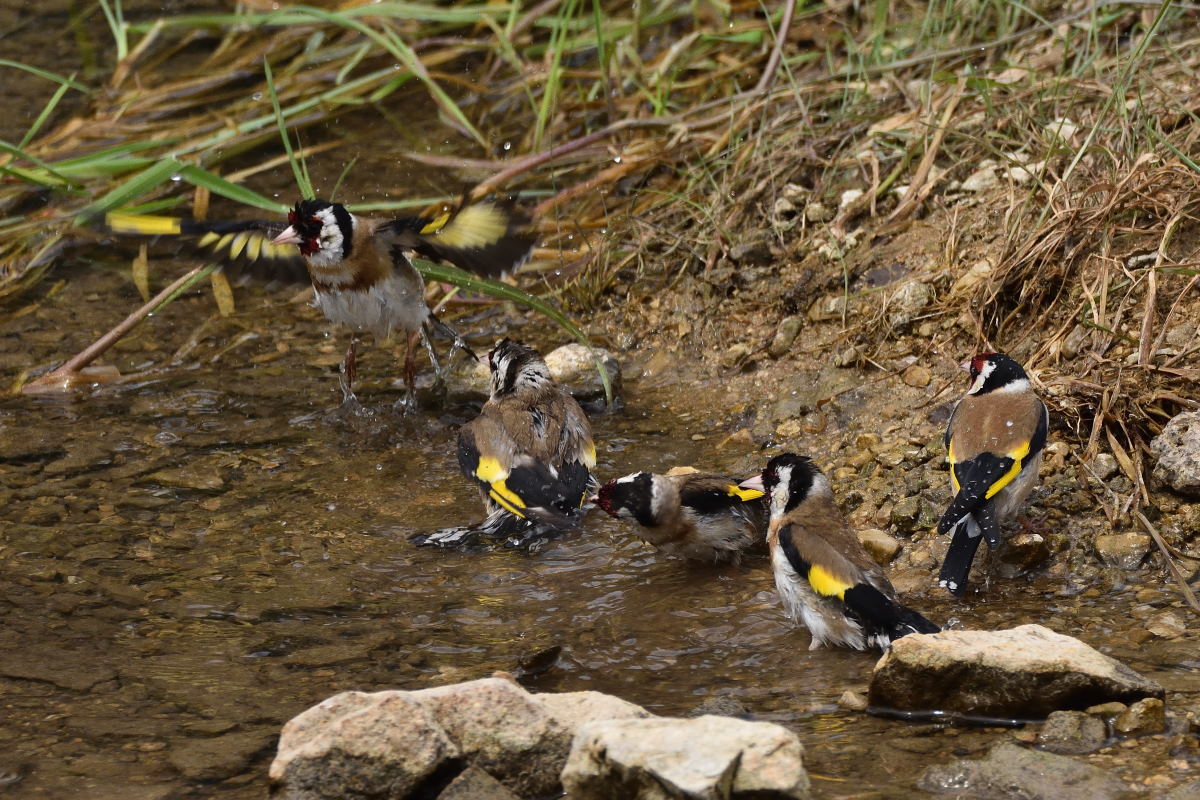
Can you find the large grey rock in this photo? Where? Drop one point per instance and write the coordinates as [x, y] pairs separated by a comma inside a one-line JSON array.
[[1178, 451], [475, 784], [354, 744], [706, 758], [1022, 673], [501, 728], [1010, 771]]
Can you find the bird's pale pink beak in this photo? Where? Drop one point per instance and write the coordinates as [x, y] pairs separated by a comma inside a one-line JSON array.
[[594, 499], [289, 236], [754, 483]]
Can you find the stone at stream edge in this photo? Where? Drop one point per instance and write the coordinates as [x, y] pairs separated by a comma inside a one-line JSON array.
[[406, 744], [475, 784], [1072, 733], [1178, 452], [571, 366], [384, 744], [690, 759], [1021, 673], [1010, 770]]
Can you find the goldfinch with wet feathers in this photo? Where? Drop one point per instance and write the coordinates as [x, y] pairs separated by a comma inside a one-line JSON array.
[[994, 443], [530, 449], [359, 267], [825, 577], [699, 516]]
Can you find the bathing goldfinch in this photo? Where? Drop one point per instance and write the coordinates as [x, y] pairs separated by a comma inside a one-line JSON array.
[[825, 577]]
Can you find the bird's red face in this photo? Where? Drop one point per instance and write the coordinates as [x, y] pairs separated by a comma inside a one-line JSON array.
[[307, 229], [976, 364]]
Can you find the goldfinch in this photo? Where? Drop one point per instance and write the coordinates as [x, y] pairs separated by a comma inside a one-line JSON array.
[[359, 266], [825, 577], [698, 516], [994, 443], [530, 450]]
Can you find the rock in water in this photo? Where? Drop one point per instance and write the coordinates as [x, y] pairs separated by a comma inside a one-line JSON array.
[[1010, 771], [690, 759], [411, 744], [1072, 733], [501, 728], [385, 744], [1021, 673], [1178, 451]]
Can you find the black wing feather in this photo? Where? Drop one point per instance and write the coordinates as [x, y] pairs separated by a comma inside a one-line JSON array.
[[975, 477]]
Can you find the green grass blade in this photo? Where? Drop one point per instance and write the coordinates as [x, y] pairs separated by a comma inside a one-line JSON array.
[[46, 112], [306, 189], [31, 175], [239, 194], [50, 76], [145, 181], [116, 23], [473, 283], [199, 276]]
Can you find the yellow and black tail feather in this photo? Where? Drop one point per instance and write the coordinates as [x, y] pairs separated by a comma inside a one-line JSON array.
[[486, 238], [245, 243]]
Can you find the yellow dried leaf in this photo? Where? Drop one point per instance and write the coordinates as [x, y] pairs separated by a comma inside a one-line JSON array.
[[222, 292], [141, 272], [200, 203]]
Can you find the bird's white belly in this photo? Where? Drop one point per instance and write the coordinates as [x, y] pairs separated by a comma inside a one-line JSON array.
[[804, 606], [390, 304]]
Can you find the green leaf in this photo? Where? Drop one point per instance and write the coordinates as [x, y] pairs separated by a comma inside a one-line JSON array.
[[473, 283], [239, 194], [145, 181], [306, 189], [50, 76]]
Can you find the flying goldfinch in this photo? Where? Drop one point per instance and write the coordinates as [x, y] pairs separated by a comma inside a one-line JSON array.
[[359, 266]]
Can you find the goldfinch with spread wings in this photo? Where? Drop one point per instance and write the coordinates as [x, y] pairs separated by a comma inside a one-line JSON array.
[[994, 441], [359, 267], [825, 577]]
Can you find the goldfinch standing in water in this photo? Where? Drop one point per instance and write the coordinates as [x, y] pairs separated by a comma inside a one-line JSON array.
[[696, 515], [824, 575], [994, 442], [530, 450], [359, 266]]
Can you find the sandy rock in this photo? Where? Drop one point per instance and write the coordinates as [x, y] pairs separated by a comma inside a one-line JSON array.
[[852, 701], [1072, 733], [1105, 465], [475, 784], [1023, 673], [385, 744], [573, 366], [1021, 553], [1144, 716], [211, 759], [705, 758], [917, 376], [573, 709], [785, 334], [1188, 791], [501, 728], [880, 545], [1010, 771], [721, 705], [1166, 625], [981, 179], [910, 299], [1122, 550], [1178, 452]]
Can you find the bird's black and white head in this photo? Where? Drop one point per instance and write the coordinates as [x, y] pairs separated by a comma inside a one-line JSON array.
[[516, 368], [995, 372], [635, 496], [788, 481], [323, 231]]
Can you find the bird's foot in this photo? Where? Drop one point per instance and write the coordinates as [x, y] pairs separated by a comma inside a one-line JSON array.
[[407, 404]]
